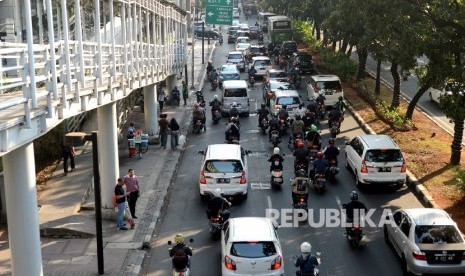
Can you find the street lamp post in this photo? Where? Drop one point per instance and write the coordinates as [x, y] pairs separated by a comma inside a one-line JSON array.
[[79, 139]]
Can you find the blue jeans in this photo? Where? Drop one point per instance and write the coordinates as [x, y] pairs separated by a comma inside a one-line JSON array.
[[163, 138], [174, 139], [119, 219]]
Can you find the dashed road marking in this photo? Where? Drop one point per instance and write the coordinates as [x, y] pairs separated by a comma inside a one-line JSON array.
[[260, 186], [252, 131], [269, 201]]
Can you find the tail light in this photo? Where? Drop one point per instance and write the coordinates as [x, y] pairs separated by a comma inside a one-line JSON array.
[[229, 263], [181, 274], [364, 168], [404, 167], [243, 180], [418, 255], [277, 263], [203, 180], [216, 219], [302, 200]]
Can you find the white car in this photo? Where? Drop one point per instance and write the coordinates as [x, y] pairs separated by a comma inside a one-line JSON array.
[[241, 47], [427, 240], [261, 64], [435, 94], [250, 246], [330, 85]]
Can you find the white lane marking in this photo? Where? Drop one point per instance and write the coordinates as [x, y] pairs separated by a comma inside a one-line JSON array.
[[339, 202], [260, 186], [269, 201]]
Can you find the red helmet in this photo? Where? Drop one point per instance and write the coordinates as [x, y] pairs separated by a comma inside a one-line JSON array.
[[319, 155], [300, 144]]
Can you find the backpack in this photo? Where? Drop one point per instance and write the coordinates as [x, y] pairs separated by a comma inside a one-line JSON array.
[[306, 267], [302, 185], [180, 259]]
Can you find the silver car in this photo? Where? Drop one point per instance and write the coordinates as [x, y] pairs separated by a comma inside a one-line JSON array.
[[427, 240], [236, 58]]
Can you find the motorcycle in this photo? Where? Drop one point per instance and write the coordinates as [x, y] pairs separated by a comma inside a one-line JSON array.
[[252, 81], [186, 271], [283, 62], [220, 40], [275, 139], [335, 128], [216, 116], [283, 126], [264, 125], [321, 111], [200, 99], [233, 139], [198, 126], [297, 138], [276, 179], [296, 81], [313, 150], [216, 225], [301, 202], [354, 234], [301, 165], [332, 170], [214, 84], [316, 271], [319, 183]]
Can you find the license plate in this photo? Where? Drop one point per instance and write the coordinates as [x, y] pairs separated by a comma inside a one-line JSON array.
[[444, 258], [385, 169], [223, 180], [329, 93]]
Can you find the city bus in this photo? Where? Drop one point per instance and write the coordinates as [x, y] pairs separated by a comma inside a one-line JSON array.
[[279, 28], [263, 20]]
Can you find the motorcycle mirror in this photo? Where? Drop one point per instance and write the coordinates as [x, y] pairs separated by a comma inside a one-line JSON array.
[[248, 152], [169, 242], [201, 152], [191, 240]]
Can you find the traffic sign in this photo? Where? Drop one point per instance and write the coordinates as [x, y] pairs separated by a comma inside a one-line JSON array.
[[219, 12]]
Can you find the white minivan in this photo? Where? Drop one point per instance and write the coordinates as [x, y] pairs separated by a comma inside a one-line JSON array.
[[329, 85], [250, 246], [235, 91], [375, 160], [224, 166]]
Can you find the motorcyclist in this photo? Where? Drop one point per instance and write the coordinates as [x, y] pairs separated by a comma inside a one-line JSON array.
[[282, 113], [180, 253], [319, 165], [273, 126], [297, 127], [320, 100], [312, 106], [209, 67], [232, 129], [301, 154], [271, 47], [220, 39], [335, 115], [263, 112], [300, 186], [214, 75], [176, 94], [252, 72], [331, 152], [256, 23], [234, 112], [276, 160], [300, 110], [216, 205], [313, 137], [308, 119], [351, 208], [199, 114], [215, 104], [306, 262], [340, 104]]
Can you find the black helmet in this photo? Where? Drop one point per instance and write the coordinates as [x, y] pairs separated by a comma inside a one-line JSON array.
[[301, 105], [353, 196], [341, 98], [284, 106], [297, 117], [263, 105], [331, 141], [301, 172], [234, 120]]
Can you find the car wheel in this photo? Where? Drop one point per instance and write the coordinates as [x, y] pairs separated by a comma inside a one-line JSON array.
[[244, 197], [357, 182]]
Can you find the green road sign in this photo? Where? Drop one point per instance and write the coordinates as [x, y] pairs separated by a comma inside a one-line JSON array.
[[219, 12]]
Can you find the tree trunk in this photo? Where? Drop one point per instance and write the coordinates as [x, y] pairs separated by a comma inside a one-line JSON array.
[[378, 79], [318, 32], [334, 45], [396, 93], [456, 146], [414, 101], [362, 61], [344, 45], [349, 52]]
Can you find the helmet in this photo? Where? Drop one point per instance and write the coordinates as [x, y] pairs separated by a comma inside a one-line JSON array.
[[234, 104], [234, 120], [252, 67], [196, 105], [331, 141], [300, 144], [301, 172], [216, 96], [284, 106], [301, 105], [210, 61], [305, 248], [353, 196], [341, 98], [217, 192], [319, 155], [314, 127], [276, 150], [179, 239], [263, 105], [297, 117]]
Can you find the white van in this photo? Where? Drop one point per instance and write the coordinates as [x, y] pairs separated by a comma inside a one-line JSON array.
[[235, 91], [376, 160], [330, 85], [224, 166], [290, 98]]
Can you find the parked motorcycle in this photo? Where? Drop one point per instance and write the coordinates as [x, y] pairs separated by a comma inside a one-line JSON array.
[[275, 139], [319, 183], [276, 179], [333, 170], [182, 271], [216, 116]]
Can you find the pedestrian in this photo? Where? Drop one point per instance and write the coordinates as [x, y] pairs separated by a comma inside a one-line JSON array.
[[185, 92], [130, 137], [120, 196], [132, 187], [161, 100], [67, 152], [164, 127], [174, 127]]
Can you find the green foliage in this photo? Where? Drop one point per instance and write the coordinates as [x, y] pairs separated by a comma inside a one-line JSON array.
[[339, 63], [395, 116], [303, 33], [461, 178], [47, 148]]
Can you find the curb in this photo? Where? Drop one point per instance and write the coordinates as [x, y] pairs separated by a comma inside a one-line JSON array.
[[418, 189]]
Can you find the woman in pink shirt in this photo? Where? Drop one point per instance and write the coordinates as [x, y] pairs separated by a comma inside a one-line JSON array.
[[132, 185]]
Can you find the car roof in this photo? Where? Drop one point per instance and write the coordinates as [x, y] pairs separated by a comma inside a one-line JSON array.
[[285, 93], [235, 53], [275, 70], [378, 141], [261, 58], [223, 151], [325, 78], [229, 65], [242, 37], [235, 84], [251, 229], [429, 216]]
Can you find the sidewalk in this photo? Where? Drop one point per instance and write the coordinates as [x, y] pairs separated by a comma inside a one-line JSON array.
[[68, 233]]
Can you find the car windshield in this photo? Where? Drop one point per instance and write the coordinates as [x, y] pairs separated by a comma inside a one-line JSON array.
[[223, 166], [262, 63], [242, 45], [278, 75], [235, 56], [329, 85], [288, 100], [253, 249], [303, 58], [431, 234], [235, 92], [280, 86], [232, 32], [229, 69], [381, 155]]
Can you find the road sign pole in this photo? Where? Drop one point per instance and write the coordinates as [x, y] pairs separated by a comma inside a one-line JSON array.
[[203, 42]]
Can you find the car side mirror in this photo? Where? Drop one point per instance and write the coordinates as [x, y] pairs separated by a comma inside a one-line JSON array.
[[347, 143], [201, 152], [191, 240], [169, 242]]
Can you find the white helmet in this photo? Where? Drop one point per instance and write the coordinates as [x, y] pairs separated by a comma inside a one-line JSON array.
[[276, 150], [305, 248], [217, 192], [216, 96], [234, 104]]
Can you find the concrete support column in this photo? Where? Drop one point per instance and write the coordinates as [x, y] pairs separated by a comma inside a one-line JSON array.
[[21, 205], [170, 83], [108, 152], [150, 110]]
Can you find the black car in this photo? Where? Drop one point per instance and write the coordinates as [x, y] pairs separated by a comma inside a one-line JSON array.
[[208, 33], [288, 48], [303, 61], [256, 51]]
